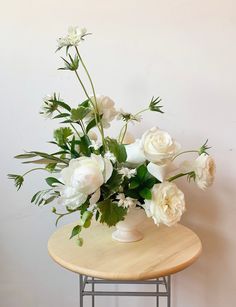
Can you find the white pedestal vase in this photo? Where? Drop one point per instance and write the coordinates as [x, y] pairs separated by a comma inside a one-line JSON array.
[[128, 230]]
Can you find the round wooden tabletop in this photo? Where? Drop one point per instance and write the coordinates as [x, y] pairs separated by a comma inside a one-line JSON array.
[[163, 251]]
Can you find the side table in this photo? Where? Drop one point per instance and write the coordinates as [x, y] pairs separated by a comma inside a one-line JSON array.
[[101, 260]]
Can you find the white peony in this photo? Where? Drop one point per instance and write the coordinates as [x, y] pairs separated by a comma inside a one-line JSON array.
[[83, 177], [135, 155], [204, 168], [158, 146], [106, 108], [167, 204]]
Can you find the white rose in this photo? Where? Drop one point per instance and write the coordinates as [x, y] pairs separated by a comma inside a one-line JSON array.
[[83, 177], [204, 168], [158, 146], [135, 155], [167, 204], [105, 108]]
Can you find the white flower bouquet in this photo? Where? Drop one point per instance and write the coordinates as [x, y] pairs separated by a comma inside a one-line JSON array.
[[94, 175]]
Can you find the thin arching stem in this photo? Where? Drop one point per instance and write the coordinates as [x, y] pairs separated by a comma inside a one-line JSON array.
[[94, 94], [184, 152]]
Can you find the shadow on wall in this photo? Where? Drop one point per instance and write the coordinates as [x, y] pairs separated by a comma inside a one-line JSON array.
[[203, 280]]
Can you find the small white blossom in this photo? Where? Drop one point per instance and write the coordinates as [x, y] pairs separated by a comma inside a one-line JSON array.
[[95, 144], [110, 156], [126, 202], [73, 37], [127, 172]]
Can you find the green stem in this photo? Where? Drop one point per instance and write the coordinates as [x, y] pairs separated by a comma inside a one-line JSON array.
[[95, 98], [183, 152], [142, 111], [82, 127], [125, 127], [34, 169], [71, 125], [61, 215], [178, 176], [87, 95]]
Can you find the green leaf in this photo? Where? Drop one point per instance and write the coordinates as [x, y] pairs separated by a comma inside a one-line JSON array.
[[141, 172], [113, 184], [153, 106], [83, 208], [132, 193], [117, 149], [61, 135], [49, 200], [51, 167], [35, 196], [74, 153], [97, 215], [72, 65], [25, 156], [48, 156], [84, 144], [75, 231], [111, 214], [86, 218], [52, 182], [61, 115], [41, 197], [149, 183], [85, 103], [145, 193], [79, 113], [18, 180], [80, 241], [91, 125], [204, 148], [134, 184], [60, 103]]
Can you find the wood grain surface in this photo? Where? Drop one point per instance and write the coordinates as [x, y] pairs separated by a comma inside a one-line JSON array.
[[163, 251]]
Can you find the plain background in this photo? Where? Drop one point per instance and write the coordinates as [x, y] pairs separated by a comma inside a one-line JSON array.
[[183, 51]]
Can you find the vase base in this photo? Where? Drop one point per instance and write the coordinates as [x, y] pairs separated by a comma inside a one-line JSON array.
[[127, 236]]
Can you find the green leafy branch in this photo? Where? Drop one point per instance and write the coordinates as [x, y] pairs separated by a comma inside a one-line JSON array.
[[117, 149], [141, 184]]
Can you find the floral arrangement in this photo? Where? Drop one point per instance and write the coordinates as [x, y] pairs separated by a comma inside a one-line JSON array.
[[94, 175]]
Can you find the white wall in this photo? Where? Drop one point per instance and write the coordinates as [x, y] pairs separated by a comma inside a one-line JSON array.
[[183, 51]]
